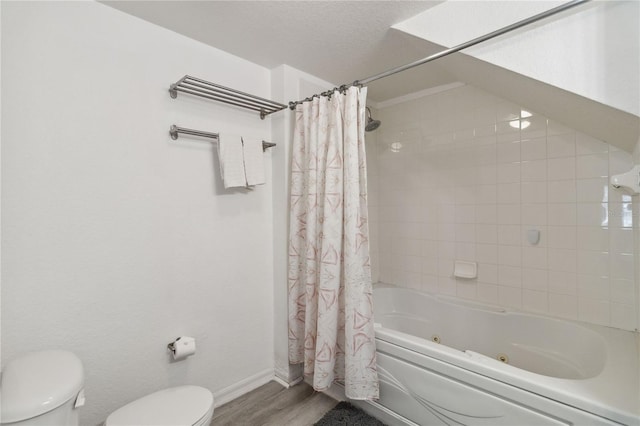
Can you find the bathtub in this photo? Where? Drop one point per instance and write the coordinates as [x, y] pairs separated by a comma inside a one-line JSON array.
[[446, 361]]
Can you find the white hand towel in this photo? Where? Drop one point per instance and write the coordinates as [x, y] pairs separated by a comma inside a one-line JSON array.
[[253, 161], [231, 161]]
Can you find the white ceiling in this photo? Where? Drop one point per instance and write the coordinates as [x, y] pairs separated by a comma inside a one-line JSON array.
[[337, 41]]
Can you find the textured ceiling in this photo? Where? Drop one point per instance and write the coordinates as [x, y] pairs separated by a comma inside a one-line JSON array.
[[338, 41]]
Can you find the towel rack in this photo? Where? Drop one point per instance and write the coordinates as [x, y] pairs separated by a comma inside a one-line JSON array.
[[206, 89], [174, 130]]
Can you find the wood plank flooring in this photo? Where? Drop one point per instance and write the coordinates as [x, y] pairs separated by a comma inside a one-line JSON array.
[[274, 405]]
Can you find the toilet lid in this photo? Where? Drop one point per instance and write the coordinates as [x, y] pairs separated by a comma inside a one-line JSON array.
[[38, 382], [178, 406]]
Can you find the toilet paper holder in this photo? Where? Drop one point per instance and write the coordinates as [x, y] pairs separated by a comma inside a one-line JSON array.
[[187, 347]]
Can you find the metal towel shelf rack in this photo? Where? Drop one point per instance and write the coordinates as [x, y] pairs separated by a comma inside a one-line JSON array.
[[206, 89], [174, 130]]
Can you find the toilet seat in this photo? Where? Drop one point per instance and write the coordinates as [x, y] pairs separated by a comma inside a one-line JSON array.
[[178, 406]]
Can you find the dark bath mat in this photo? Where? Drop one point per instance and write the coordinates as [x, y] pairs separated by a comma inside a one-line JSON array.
[[345, 414]]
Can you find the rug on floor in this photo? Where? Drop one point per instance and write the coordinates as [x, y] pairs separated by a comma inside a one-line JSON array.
[[345, 414]]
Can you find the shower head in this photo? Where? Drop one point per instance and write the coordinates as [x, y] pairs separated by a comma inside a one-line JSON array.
[[371, 123]]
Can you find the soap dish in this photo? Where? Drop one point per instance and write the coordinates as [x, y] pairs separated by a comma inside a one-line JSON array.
[[463, 269]]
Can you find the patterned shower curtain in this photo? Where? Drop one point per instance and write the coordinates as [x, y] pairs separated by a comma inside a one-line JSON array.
[[330, 294]]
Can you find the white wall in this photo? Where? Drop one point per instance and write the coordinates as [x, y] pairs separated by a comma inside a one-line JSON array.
[[115, 238], [591, 50], [467, 185]]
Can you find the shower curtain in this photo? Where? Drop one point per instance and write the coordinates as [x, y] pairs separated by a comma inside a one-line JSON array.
[[330, 294]]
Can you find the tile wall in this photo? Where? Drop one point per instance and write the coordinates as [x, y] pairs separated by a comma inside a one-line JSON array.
[[465, 175]]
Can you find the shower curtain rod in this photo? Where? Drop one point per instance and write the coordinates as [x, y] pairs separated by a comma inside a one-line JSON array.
[[449, 51]]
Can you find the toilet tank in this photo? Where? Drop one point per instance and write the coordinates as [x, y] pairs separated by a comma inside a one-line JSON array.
[[42, 388]]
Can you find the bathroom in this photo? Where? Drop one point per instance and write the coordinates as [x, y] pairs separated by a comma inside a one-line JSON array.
[[116, 239]]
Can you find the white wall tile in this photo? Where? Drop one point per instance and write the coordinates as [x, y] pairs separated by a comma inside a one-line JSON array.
[[508, 152], [592, 166], [534, 171], [594, 287], [562, 214], [447, 286], [535, 279], [561, 168], [486, 194], [562, 260], [535, 301], [486, 234], [592, 190], [620, 215], [486, 213], [622, 291], [472, 188], [561, 191], [622, 266], [563, 282], [466, 289], [592, 214], [533, 149], [561, 237], [508, 172], [534, 257], [465, 233], [488, 273], [509, 276], [487, 293], [562, 145], [564, 306], [534, 214], [510, 296], [594, 238], [509, 214], [533, 192], [621, 240], [510, 235], [508, 193], [487, 253], [509, 255], [466, 251]]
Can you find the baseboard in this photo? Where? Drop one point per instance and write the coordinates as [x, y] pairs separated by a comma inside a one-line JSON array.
[[244, 386], [285, 379]]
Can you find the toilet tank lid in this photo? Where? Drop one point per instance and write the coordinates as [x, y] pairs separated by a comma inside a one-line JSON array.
[[39, 382], [180, 405]]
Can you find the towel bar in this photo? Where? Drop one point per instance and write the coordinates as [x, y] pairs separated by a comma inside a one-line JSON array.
[[174, 130]]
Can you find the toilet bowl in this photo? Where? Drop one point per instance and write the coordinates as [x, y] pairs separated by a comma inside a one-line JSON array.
[[42, 389], [177, 406]]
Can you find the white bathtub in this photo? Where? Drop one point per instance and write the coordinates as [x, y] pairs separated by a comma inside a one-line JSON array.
[[557, 372]]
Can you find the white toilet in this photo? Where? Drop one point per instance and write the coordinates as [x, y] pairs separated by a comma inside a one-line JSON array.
[[46, 388], [42, 389], [178, 406]]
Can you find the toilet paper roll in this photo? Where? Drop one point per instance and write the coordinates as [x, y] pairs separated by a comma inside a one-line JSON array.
[[183, 347]]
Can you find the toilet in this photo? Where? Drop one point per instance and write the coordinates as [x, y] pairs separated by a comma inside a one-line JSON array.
[[177, 406], [46, 388], [42, 388]]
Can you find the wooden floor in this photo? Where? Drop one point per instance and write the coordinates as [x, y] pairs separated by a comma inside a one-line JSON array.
[[274, 405]]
